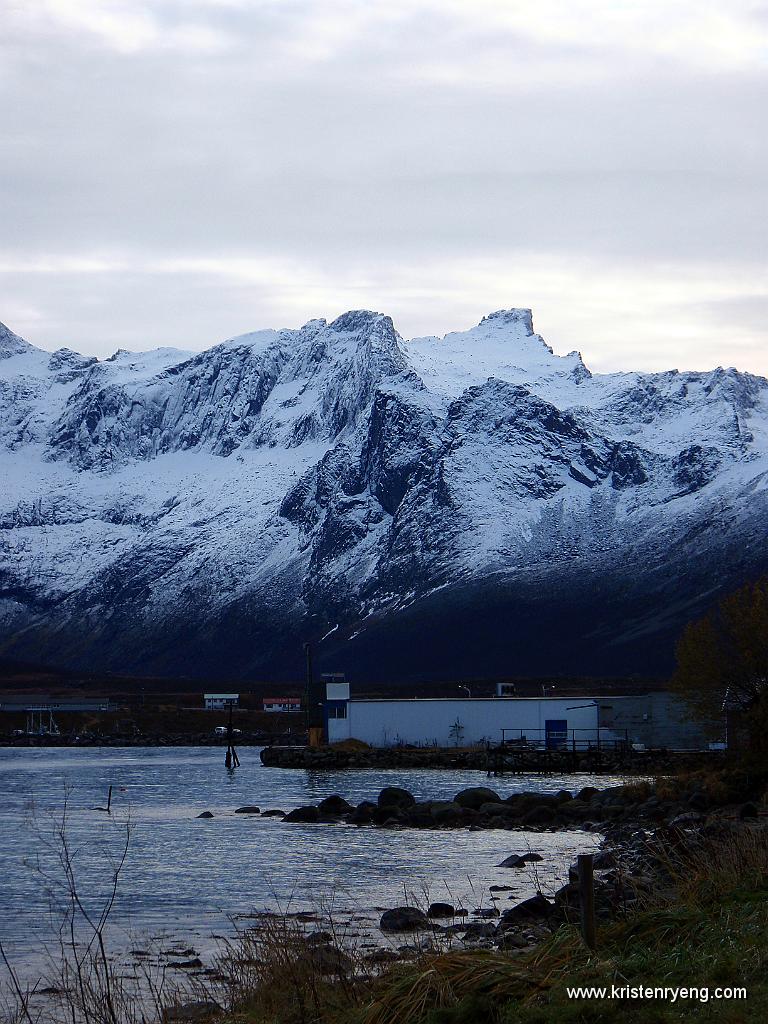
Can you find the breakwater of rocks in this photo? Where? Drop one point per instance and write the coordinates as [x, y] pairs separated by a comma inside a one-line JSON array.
[[481, 807], [334, 758]]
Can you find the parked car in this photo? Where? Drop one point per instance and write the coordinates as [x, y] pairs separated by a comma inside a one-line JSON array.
[[221, 730]]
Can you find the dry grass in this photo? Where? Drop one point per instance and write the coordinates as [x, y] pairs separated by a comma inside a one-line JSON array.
[[707, 868], [668, 922], [721, 787], [439, 982], [638, 791], [277, 971]]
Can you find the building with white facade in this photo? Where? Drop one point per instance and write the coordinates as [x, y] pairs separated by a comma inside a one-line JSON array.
[[221, 701], [281, 704], [647, 720]]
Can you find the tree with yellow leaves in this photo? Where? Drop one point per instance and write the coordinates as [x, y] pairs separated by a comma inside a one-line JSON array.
[[722, 658]]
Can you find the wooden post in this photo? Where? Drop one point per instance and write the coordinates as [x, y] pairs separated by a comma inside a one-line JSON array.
[[231, 760], [587, 899], [316, 694], [109, 801]]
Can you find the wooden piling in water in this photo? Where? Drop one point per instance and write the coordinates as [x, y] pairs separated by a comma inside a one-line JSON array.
[[231, 760], [585, 864]]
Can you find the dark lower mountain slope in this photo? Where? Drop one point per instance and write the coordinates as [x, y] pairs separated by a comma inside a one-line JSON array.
[[436, 508]]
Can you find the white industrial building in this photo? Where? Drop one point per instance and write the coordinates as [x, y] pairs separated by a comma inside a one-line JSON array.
[[220, 701], [653, 719]]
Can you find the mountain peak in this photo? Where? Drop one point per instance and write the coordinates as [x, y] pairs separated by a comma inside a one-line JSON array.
[[11, 344], [361, 321], [505, 317]]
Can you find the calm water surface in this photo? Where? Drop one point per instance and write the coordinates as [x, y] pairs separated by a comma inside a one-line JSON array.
[[189, 876]]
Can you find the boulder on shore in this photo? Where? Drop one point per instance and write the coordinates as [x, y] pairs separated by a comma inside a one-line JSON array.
[[539, 816], [328, 959], [518, 860], [493, 810], [303, 815], [603, 860], [476, 796], [441, 910], [690, 819], [394, 796], [191, 1013], [587, 793], [381, 815], [335, 805], [403, 919], [575, 810], [479, 930], [363, 813], [536, 907], [445, 812]]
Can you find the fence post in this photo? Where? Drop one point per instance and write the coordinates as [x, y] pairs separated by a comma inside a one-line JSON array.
[[587, 899]]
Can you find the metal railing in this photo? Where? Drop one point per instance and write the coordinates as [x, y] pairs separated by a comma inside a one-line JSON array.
[[564, 739]]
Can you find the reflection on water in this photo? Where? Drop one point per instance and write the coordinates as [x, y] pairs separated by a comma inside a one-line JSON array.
[[188, 873]]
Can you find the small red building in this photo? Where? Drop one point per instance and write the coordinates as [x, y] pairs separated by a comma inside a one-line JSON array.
[[281, 704]]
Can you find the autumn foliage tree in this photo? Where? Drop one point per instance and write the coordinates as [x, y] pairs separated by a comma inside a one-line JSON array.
[[723, 656]]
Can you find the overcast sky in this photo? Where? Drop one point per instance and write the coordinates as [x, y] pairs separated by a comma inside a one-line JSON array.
[[175, 172]]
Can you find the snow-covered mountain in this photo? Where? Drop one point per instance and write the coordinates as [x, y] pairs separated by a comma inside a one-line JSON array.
[[439, 507]]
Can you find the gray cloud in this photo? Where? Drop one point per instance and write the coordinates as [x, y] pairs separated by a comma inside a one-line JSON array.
[[178, 172]]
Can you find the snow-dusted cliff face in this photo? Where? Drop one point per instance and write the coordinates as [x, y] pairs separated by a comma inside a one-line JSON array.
[[473, 504]]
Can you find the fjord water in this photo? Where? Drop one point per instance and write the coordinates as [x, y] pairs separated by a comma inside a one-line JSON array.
[[186, 876]]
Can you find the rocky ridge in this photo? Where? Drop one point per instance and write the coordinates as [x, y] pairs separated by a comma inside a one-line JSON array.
[[398, 502]]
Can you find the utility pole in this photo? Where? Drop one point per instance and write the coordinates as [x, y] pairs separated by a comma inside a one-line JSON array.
[[314, 716], [307, 683]]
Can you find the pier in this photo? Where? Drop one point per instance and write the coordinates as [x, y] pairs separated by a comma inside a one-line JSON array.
[[544, 752]]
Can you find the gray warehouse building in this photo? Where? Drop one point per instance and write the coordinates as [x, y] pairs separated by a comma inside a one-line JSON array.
[[652, 720]]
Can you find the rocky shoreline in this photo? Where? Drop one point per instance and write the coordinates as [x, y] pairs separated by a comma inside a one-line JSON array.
[[480, 807], [646, 880], [639, 823]]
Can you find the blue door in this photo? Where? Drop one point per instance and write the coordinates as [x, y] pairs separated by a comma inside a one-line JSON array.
[[556, 731]]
